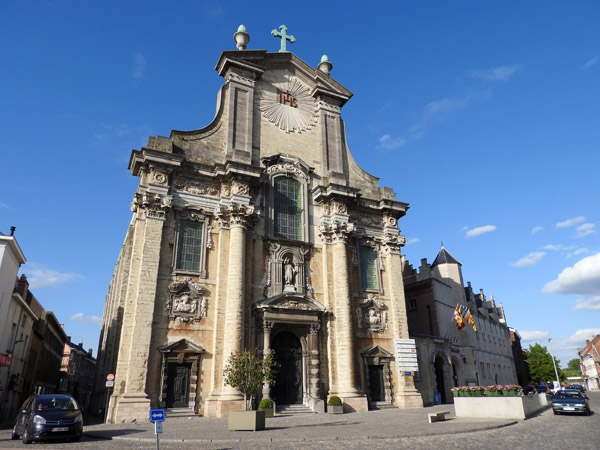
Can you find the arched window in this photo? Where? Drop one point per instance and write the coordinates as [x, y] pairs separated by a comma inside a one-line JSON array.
[[288, 213]]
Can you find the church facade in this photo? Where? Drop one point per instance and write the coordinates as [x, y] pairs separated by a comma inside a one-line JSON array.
[[258, 232]]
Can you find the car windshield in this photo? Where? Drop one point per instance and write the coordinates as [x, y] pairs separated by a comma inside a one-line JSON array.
[[56, 403], [568, 395]]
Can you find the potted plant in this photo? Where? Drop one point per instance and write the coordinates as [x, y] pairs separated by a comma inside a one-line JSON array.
[[335, 405], [246, 372], [266, 405]]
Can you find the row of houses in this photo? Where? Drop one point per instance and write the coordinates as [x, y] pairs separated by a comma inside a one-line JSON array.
[[589, 361], [36, 355]]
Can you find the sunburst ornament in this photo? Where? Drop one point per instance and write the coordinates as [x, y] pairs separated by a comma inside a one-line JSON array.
[[289, 105]]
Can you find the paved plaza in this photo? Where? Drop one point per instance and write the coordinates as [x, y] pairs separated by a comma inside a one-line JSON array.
[[385, 429]]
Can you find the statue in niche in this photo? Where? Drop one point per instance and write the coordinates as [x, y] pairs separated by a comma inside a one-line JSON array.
[[203, 307], [185, 304], [374, 317], [289, 272]]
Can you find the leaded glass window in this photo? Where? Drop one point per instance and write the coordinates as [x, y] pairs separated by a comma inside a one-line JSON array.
[[368, 268], [288, 208], [189, 246]]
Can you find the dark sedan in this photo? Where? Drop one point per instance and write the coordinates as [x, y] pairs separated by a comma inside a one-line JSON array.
[[570, 401], [49, 417]]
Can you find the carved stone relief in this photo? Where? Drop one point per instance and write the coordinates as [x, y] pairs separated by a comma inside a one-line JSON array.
[[235, 214], [335, 231], [198, 188], [372, 315], [186, 302]]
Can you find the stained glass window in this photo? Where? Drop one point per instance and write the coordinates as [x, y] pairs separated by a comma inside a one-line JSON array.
[[368, 268], [288, 208], [189, 245]]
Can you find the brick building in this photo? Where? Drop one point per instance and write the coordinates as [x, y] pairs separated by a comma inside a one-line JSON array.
[[589, 360]]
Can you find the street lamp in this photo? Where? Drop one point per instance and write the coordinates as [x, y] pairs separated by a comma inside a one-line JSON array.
[[553, 362]]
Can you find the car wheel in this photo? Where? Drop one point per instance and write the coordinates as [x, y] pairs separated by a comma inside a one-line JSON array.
[[14, 435], [76, 438], [25, 437], [555, 413]]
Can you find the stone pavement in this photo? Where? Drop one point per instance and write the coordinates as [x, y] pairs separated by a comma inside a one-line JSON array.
[[352, 427]]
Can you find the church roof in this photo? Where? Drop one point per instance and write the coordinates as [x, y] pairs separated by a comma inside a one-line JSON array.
[[444, 257]]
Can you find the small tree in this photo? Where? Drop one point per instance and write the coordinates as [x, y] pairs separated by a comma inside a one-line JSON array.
[[246, 372], [540, 364]]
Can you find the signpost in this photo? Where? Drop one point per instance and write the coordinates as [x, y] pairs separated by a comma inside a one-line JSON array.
[[158, 417], [110, 382], [405, 351]]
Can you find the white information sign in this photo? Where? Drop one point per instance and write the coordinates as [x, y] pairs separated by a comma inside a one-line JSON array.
[[405, 351]]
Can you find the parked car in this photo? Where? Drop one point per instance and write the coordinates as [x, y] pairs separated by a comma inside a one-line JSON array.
[[542, 389], [570, 401], [48, 417], [579, 387]]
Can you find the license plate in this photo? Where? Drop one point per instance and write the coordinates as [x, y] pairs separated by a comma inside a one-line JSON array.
[[568, 408], [61, 429]]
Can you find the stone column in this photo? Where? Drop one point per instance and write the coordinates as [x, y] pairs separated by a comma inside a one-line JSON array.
[[336, 234], [405, 395], [314, 370], [267, 327], [129, 400], [236, 218]]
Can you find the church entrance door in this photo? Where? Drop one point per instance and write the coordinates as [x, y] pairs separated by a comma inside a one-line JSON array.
[[178, 385], [439, 378], [288, 382]]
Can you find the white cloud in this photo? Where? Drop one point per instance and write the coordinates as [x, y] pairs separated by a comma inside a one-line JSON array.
[[592, 303], [536, 230], [80, 317], [570, 222], [388, 142], [480, 230], [440, 109], [583, 278], [530, 336], [502, 73], [576, 340], [529, 260], [558, 247], [585, 229], [139, 66], [413, 241], [40, 276], [577, 252], [591, 62]]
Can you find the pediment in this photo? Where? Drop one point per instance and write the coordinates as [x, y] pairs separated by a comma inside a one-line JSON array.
[[375, 351], [182, 346], [292, 302]]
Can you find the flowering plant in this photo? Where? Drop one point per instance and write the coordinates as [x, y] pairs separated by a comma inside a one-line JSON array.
[[513, 387], [493, 388]]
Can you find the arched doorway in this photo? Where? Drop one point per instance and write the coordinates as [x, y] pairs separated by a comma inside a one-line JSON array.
[[439, 378], [288, 382]]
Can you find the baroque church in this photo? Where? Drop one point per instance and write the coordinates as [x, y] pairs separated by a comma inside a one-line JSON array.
[[258, 232]]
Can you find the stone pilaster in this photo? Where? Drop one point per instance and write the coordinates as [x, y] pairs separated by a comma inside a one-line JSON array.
[[267, 327], [129, 400], [335, 234], [405, 394]]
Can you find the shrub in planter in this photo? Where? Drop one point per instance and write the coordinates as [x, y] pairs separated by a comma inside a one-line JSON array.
[[335, 405], [266, 405]]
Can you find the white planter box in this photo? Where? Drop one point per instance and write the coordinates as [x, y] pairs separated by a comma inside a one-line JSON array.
[[501, 406]]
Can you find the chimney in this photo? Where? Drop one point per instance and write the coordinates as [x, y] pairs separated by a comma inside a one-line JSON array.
[[23, 286], [90, 351], [12, 230]]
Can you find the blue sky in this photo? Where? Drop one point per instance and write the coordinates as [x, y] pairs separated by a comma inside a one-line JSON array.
[[483, 116]]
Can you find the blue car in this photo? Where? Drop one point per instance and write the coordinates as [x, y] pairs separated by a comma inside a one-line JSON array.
[[570, 401], [48, 417]]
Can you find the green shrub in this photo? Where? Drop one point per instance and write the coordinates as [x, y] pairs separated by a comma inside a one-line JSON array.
[[265, 403], [334, 400]]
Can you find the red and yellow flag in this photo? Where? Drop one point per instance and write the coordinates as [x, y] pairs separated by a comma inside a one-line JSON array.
[[458, 317]]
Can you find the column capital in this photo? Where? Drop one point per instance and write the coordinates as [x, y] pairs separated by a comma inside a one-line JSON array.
[[153, 205], [335, 232], [391, 242], [235, 215]]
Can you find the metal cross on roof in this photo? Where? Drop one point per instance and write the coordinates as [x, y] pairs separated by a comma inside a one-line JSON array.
[[284, 37]]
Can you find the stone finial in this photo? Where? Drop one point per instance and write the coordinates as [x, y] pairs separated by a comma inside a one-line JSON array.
[[241, 38], [325, 65]]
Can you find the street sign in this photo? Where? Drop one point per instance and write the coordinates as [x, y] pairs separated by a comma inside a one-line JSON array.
[[405, 352], [157, 415], [110, 383], [158, 427], [110, 377]]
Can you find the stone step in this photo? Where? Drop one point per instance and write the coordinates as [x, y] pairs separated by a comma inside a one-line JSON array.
[[180, 412], [381, 405], [292, 410]]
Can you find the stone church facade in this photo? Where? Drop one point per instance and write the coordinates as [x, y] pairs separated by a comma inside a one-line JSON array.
[[258, 232]]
